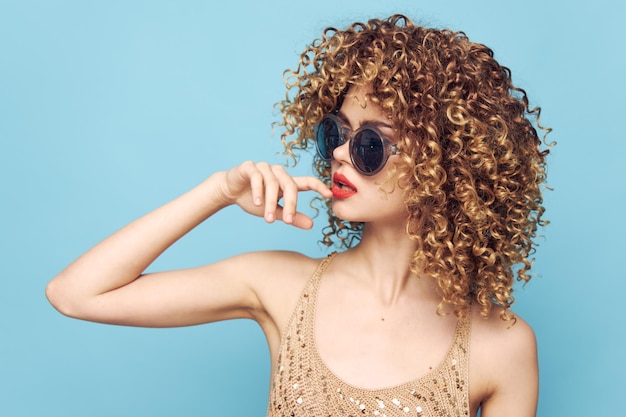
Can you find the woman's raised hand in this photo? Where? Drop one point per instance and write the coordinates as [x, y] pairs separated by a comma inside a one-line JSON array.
[[257, 188]]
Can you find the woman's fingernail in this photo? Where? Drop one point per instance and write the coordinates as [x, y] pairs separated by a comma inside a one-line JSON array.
[[288, 218], [257, 201], [269, 217]]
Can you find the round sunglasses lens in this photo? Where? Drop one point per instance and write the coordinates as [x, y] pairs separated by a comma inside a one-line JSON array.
[[327, 138], [368, 151]]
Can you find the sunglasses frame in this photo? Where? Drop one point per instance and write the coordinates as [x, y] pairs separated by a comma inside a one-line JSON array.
[[346, 134]]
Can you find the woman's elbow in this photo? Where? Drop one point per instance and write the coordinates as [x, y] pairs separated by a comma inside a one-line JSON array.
[[59, 298]]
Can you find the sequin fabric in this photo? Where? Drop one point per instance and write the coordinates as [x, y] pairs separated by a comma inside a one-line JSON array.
[[303, 386]]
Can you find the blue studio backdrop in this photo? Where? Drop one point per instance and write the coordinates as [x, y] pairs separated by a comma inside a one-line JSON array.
[[109, 109]]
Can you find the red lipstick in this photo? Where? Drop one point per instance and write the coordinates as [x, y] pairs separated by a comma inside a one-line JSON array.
[[342, 188]]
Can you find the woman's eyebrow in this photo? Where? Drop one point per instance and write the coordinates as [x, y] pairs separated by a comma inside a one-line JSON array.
[[378, 123]]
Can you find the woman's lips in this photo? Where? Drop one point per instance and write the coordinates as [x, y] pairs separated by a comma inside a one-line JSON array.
[[342, 188]]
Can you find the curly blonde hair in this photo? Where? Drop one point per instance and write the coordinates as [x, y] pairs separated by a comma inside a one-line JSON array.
[[472, 164]]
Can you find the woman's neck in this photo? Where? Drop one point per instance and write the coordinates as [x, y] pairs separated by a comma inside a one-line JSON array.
[[382, 261]]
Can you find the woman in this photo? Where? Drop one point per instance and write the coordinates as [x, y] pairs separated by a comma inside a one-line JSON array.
[[431, 169]]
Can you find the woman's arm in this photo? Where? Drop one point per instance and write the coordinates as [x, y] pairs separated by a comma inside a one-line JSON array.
[[106, 284]]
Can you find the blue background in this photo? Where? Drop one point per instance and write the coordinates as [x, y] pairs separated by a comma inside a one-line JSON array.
[[111, 108]]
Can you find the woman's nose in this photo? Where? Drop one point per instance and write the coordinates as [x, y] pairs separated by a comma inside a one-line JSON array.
[[342, 153]]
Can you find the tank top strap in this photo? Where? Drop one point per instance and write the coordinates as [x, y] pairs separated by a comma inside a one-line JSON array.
[[313, 283]]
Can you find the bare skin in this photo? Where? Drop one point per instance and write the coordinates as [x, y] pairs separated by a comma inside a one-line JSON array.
[[368, 291]]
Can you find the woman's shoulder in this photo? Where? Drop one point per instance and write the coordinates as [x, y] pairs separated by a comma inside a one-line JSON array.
[[499, 329], [272, 274], [281, 264], [503, 353], [278, 278], [502, 337]]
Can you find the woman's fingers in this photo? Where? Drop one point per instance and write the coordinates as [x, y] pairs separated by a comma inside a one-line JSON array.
[[267, 184], [289, 190], [256, 186], [299, 220], [313, 184], [271, 191], [288, 211]]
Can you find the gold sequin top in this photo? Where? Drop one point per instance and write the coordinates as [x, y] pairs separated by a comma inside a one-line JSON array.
[[303, 386]]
